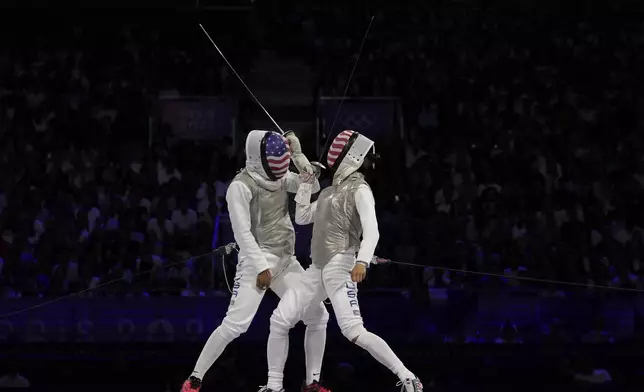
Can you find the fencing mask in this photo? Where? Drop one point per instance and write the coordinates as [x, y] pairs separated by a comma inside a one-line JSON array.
[[349, 152], [268, 154]]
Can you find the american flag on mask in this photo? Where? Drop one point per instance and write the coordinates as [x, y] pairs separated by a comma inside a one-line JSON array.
[[278, 154], [337, 146]]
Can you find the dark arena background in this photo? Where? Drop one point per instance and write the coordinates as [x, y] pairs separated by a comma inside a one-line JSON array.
[[511, 183]]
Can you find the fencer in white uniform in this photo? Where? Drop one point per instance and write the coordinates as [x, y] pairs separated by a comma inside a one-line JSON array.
[[258, 206], [343, 213]]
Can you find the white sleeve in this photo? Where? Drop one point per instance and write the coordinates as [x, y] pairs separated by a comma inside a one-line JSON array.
[[292, 183], [238, 198], [305, 215], [366, 206]]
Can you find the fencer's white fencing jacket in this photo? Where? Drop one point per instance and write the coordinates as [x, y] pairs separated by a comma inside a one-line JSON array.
[[260, 218], [258, 208], [342, 214]]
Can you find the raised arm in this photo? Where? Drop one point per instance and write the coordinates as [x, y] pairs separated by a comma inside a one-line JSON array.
[[238, 198], [292, 183], [366, 206], [305, 214]]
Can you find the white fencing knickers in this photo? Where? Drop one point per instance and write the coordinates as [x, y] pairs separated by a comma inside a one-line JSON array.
[[315, 285], [244, 303]]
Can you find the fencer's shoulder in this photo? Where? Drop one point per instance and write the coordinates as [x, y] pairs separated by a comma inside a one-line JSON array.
[[241, 175], [237, 185], [361, 186], [364, 194], [238, 188], [364, 189], [329, 190]]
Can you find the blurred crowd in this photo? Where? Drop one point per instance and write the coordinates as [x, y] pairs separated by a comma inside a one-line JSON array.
[[520, 153], [87, 195]]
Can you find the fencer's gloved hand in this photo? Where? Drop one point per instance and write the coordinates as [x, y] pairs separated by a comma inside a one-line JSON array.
[[306, 178], [299, 159], [264, 279], [317, 169]]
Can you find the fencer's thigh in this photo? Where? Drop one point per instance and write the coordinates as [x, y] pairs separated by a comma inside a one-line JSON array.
[[343, 293], [245, 299], [297, 291]]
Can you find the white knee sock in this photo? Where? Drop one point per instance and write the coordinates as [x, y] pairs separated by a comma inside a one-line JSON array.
[[381, 351], [215, 345], [276, 354], [314, 343]]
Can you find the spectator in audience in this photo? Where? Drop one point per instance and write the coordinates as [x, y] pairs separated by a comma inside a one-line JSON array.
[[585, 373], [12, 378], [184, 218]]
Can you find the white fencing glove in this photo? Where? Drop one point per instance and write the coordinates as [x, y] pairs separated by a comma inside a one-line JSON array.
[[299, 159]]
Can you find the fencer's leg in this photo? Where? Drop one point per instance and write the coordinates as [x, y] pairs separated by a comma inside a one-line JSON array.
[[343, 294], [315, 317], [244, 303], [289, 310]]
